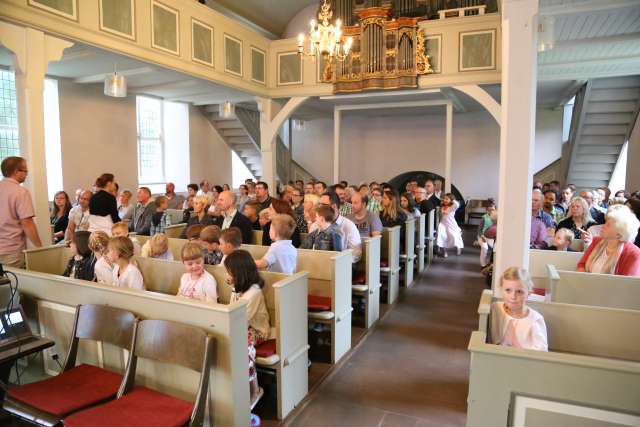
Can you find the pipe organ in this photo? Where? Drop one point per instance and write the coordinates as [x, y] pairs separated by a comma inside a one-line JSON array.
[[387, 53]]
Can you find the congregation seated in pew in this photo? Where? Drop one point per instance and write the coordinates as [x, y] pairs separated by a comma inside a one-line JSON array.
[[196, 283], [325, 235], [278, 207], [120, 229], [160, 220], [125, 273], [157, 247], [82, 263], [230, 241], [562, 240], [210, 243], [282, 255]]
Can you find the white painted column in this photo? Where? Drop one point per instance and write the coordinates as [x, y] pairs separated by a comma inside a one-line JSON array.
[[448, 159], [633, 160], [517, 136], [33, 50], [267, 142], [336, 145]]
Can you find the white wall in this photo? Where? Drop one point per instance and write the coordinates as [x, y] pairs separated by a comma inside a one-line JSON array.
[[381, 148], [99, 134], [548, 138], [300, 22]]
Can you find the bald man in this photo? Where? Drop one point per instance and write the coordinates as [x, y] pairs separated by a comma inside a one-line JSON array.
[[79, 216], [175, 200], [230, 217]]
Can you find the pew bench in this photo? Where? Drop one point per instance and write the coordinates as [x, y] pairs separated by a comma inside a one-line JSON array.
[[175, 216], [420, 242], [366, 281], [285, 297], [593, 362], [390, 264], [539, 259], [407, 255]]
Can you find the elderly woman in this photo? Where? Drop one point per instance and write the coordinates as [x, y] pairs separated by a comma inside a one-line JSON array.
[[578, 220], [613, 252]]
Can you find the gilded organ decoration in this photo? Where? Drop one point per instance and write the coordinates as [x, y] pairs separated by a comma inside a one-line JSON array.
[[387, 53]]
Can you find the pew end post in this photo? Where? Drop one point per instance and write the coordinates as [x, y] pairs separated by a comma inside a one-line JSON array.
[[370, 290], [407, 257], [391, 272], [420, 246]]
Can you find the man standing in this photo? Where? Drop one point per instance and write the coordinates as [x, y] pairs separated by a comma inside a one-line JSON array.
[[16, 213], [143, 213], [367, 222], [79, 216], [230, 217], [262, 195], [175, 200]]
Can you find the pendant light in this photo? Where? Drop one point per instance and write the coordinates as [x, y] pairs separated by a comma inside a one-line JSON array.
[[115, 85], [298, 125], [546, 34], [227, 110]]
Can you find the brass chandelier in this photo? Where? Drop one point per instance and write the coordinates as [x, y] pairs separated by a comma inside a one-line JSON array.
[[325, 39]]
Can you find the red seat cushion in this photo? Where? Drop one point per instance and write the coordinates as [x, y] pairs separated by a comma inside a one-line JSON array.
[[540, 291], [266, 349], [141, 407], [359, 279], [75, 389], [317, 303], [384, 263]]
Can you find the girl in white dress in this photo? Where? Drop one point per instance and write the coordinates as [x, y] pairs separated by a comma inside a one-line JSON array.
[[103, 270], [513, 324], [449, 232], [125, 273], [196, 283]]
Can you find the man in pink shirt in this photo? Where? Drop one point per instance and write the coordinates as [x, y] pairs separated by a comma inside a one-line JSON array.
[[16, 213]]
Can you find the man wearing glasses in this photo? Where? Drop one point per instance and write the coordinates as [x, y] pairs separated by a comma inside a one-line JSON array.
[[16, 213], [346, 228]]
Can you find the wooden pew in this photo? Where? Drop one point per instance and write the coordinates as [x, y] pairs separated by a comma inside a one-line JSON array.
[[407, 257], [593, 362], [257, 237], [175, 215], [285, 296], [175, 230], [421, 225], [539, 259], [600, 290], [390, 262], [329, 276], [369, 267], [431, 235]]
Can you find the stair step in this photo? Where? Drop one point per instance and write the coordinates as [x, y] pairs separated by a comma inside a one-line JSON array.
[[601, 140], [233, 132], [600, 149], [611, 94], [604, 130], [588, 184], [615, 82], [611, 107], [592, 167], [596, 158], [240, 140], [228, 124], [590, 175], [608, 118]]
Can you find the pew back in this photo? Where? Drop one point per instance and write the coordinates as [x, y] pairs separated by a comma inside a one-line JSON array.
[[175, 215], [539, 259], [175, 230], [601, 290]]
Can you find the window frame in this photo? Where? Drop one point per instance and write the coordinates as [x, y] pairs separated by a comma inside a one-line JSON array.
[[155, 179]]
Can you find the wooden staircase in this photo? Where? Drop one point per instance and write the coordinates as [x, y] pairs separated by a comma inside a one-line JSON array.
[[605, 111]]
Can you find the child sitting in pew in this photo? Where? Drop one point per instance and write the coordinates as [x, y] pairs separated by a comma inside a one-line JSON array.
[[247, 284], [125, 273], [263, 218], [196, 283], [121, 229], [282, 255], [103, 268], [160, 220], [157, 247], [82, 263], [325, 236], [193, 233], [210, 242], [562, 241], [230, 240], [513, 324]]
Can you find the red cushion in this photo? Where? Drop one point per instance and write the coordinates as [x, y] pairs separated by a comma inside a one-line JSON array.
[[384, 263], [540, 291], [359, 279], [75, 389], [141, 407], [266, 349], [317, 303]]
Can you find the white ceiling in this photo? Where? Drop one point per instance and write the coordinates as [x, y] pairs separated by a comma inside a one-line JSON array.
[[88, 65]]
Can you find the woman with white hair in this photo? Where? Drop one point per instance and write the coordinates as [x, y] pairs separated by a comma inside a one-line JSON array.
[[613, 252]]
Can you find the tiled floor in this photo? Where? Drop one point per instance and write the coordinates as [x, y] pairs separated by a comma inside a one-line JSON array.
[[413, 369]]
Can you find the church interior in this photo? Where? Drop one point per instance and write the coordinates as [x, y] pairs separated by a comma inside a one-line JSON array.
[[379, 213]]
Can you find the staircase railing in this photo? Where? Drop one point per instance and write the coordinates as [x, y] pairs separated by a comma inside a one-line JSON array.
[[286, 168], [569, 151]]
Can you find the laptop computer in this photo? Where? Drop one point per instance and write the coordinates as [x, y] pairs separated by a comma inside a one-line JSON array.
[[14, 329]]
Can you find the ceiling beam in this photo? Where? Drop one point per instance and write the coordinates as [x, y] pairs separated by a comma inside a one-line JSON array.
[[590, 42], [586, 6], [574, 75], [174, 85], [612, 60], [98, 78], [458, 106], [378, 94], [79, 52], [570, 92]]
